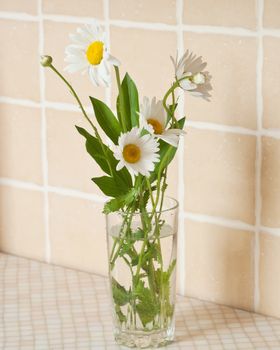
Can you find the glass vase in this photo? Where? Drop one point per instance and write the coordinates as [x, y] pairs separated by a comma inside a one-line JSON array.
[[142, 273]]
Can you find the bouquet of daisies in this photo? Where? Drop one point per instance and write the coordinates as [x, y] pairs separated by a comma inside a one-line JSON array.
[[142, 139]]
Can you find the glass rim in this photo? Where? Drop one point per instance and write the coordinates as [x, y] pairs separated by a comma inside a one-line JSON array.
[[172, 207]]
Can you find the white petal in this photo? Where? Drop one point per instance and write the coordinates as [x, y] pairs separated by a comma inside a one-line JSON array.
[[191, 65], [76, 53], [186, 84], [93, 76], [102, 74], [153, 110], [171, 136], [74, 67], [120, 165], [114, 61], [148, 146], [178, 132]]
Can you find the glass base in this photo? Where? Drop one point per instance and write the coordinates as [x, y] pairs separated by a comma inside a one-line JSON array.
[[144, 340]]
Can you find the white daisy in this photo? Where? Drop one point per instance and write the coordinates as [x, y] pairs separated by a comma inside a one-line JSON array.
[[154, 119], [190, 74], [137, 153], [89, 52]]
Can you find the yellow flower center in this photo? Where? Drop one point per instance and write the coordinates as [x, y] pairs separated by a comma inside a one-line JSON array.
[[158, 129], [131, 153], [95, 52]]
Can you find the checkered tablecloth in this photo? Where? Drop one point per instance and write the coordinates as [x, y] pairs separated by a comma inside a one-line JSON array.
[[50, 307]]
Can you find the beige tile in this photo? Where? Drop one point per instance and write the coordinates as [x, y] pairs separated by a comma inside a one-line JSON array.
[[270, 182], [173, 178], [271, 87], [232, 63], [269, 275], [21, 222], [19, 63], [148, 62], [144, 10], [69, 163], [56, 40], [271, 16], [219, 264], [220, 174], [27, 6], [225, 13], [20, 132], [78, 235], [93, 9]]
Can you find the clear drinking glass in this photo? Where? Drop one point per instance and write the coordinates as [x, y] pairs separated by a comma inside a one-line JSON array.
[[142, 269]]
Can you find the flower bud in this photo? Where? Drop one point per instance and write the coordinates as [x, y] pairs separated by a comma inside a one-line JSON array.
[[46, 61], [199, 78]]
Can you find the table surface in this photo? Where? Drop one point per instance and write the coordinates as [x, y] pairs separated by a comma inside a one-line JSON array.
[[50, 307]]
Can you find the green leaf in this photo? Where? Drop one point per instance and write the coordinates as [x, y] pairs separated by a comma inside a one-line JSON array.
[[181, 123], [171, 107], [103, 155], [128, 103], [138, 235], [111, 186], [169, 308], [106, 119], [167, 153], [94, 148], [120, 295], [170, 269], [120, 201], [162, 279], [127, 248], [146, 307], [121, 316]]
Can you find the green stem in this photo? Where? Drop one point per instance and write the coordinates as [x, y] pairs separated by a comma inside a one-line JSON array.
[[128, 264], [83, 111], [173, 107], [164, 101], [112, 261], [145, 242], [150, 191], [163, 189], [128, 220], [117, 71], [74, 94]]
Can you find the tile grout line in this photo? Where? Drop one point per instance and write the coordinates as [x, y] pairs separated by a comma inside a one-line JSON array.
[[77, 194], [196, 28], [21, 184], [18, 16], [180, 160], [108, 89], [193, 216], [20, 102], [230, 223], [239, 130], [258, 199], [220, 221], [209, 29], [69, 192], [221, 127], [44, 137]]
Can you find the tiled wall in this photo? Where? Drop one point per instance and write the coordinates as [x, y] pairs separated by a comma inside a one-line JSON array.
[[227, 174]]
